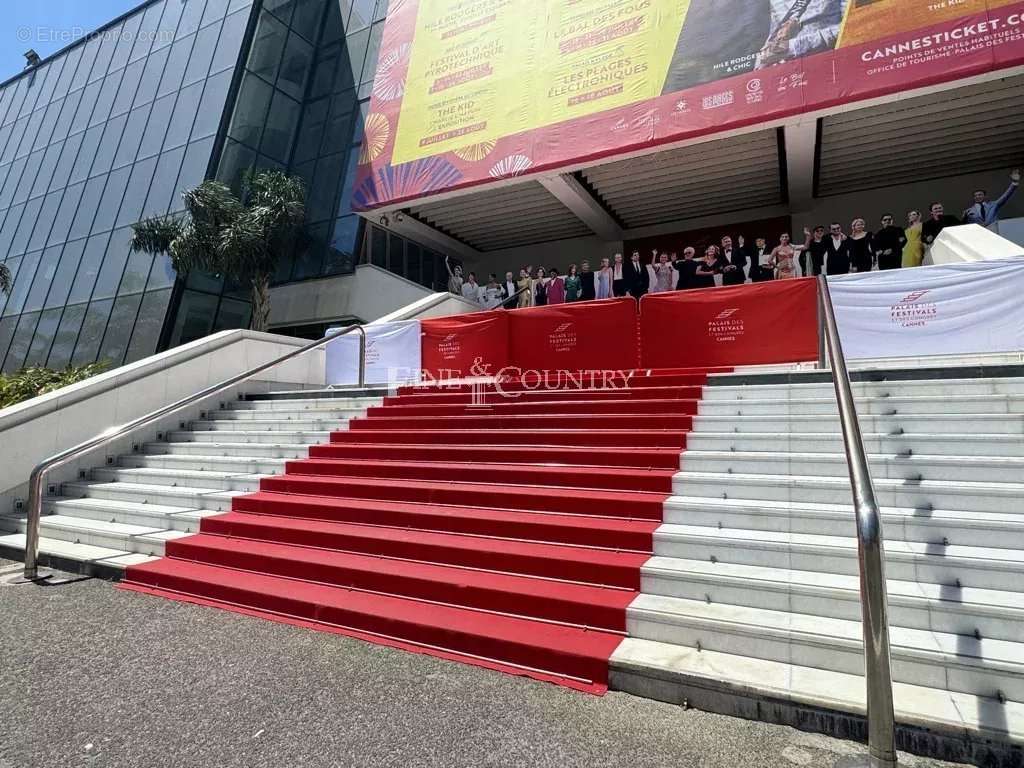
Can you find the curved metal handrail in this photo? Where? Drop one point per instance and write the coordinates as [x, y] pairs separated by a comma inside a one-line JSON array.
[[870, 551], [35, 492]]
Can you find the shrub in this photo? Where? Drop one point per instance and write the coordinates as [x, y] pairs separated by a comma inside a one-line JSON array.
[[33, 382]]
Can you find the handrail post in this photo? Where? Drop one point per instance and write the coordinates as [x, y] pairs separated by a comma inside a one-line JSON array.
[[870, 551], [362, 356], [35, 506]]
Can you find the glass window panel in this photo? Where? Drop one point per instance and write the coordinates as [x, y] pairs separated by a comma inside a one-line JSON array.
[[280, 129], [45, 220], [132, 136], [7, 327], [341, 247], [157, 29], [22, 284], [169, 23], [89, 339], [112, 132], [5, 134], [309, 263], [211, 107], [428, 275], [323, 193], [20, 343], [156, 127], [53, 70], [28, 220], [267, 48], [202, 281], [396, 255], [30, 131], [193, 168], [194, 318], [65, 214], [110, 203], [13, 265], [66, 336], [215, 10], [236, 5], [357, 131], [28, 177], [47, 268], [298, 56], [12, 144], [314, 117], [136, 272], [85, 65], [226, 50], [356, 45], [250, 111], [323, 73], [382, 10], [11, 186], [413, 262], [191, 15], [362, 15], [339, 124], [183, 116], [112, 267], [372, 51], [151, 75], [235, 160], [232, 314], [46, 168], [306, 20], [105, 98], [158, 200], [91, 196], [282, 9], [67, 113], [126, 88], [85, 155], [126, 42], [65, 274], [71, 60], [366, 89], [176, 64], [9, 228], [345, 203], [89, 96], [89, 268], [46, 329], [379, 248], [202, 54], [108, 43], [148, 324], [162, 274], [47, 126], [135, 194]]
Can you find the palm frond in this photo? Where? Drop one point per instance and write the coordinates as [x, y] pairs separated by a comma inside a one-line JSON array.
[[155, 235], [6, 281]]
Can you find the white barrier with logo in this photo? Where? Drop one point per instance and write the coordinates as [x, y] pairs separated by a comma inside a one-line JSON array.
[[948, 309], [393, 355]]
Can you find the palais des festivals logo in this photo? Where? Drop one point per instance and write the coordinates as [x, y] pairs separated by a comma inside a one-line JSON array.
[[726, 326], [450, 348], [913, 310], [563, 338]]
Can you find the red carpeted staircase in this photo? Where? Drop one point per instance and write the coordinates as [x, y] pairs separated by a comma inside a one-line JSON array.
[[507, 533]]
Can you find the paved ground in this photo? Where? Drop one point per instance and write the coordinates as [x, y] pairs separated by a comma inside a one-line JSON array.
[[94, 677]]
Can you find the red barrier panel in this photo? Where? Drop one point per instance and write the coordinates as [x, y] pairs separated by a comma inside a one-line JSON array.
[[774, 322], [587, 335], [465, 345]]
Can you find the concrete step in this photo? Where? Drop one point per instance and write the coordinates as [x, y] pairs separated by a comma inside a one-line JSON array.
[[782, 423], [252, 450], [987, 404], [142, 513], [912, 604], [139, 539], [247, 465], [977, 567], [305, 403], [931, 659], [281, 414], [161, 495], [975, 529], [874, 443], [81, 553], [310, 424], [724, 683], [864, 389], [980, 469], [250, 437], [924, 495], [209, 480]]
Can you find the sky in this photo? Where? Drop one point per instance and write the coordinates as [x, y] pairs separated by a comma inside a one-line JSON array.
[[49, 25]]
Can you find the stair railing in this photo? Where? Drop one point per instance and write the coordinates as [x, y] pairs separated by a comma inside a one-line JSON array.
[[870, 552], [38, 475]]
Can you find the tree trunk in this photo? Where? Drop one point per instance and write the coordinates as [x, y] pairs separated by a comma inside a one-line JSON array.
[[260, 303]]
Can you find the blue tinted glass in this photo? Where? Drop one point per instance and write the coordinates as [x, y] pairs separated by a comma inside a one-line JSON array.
[[162, 274], [44, 221], [148, 325], [183, 116], [28, 220], [157, 28], [226, 53], [22, 283], [191, 15], [211, 107], [158, 200], [151, 76], [215, 10], [65, 274], [91, 335], [202, 54], [136, 273], [89, 268], [20, 343], [86, 153], [89, 96], [68, 108], [46, 168], [65, 214], [108, 42], [85, 65], [135, 194], [67, 335], [193, 167], [9, 228], [126, 89], [47, 126], [298, 56], [91, 196], [105, 98], [108, 145], [43, 339], [250, 111], [47, 268], [156, 127], [132, 136], [267, 48], [126, 41], [110, 203], [113, 265], [176, 64]]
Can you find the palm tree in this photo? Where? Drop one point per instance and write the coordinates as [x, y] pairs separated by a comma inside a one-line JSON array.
[[241, 239], [5, 279]]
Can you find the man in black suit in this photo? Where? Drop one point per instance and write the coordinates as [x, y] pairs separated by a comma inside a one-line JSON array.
[[757, 256], [588, 285], [889, 242], [735, 270], [635, 275], [687, 268], [837, 251]]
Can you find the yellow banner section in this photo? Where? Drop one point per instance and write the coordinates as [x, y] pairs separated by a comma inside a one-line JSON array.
[[484, 69], [868, 20]]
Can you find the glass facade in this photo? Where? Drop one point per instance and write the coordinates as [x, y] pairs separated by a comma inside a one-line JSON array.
[[114, 128]]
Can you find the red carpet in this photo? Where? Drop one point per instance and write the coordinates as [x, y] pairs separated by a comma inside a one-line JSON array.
[[503, 529]]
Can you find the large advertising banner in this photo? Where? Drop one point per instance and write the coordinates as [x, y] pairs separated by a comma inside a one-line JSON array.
[[463, 346], [470, 91]]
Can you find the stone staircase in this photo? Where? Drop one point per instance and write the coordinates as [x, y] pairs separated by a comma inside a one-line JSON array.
[[753, 590], [124, 513]]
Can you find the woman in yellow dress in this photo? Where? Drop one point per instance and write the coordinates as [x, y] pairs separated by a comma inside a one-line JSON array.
[[524, 285], [913, 251]]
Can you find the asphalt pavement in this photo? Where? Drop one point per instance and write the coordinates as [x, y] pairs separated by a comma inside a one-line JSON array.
[[96, 677]]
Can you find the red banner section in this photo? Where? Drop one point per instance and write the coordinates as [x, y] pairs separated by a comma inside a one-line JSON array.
[[775, 322], [465, 345], [588, 335]]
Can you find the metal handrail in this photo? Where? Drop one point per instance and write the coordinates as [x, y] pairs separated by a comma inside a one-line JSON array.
[[870, 552], [35, 493]]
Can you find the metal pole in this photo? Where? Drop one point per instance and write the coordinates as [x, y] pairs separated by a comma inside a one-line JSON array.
[[822, 351], [362, 357], [871, 554]]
